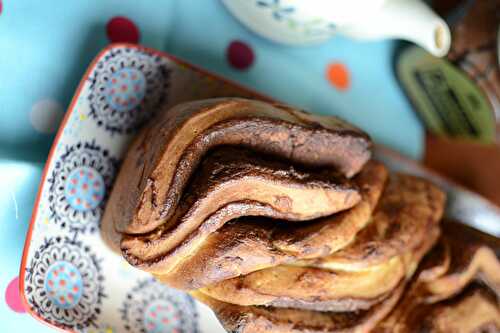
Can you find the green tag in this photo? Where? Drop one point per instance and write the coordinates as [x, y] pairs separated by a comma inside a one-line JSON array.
[[446, 99]]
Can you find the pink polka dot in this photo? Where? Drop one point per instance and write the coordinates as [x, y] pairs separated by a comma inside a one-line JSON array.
[[12, 296], [122, 30], [240, 55]]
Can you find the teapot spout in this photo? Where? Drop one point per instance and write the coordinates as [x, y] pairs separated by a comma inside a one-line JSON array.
[[411, 20]]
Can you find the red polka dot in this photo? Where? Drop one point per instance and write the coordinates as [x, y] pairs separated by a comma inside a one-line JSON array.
[[122, 30], [240, 55], [1, 6], [338, 75], [12, 296]]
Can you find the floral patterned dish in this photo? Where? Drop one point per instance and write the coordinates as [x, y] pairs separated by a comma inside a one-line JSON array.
[[69, 278]]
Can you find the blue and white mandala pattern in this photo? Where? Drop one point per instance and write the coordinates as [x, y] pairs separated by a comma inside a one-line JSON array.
[[152, 307], [64, 284], [79, 185], [127, 87]]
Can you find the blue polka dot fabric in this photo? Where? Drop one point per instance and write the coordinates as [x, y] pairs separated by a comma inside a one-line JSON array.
[[47, 45]]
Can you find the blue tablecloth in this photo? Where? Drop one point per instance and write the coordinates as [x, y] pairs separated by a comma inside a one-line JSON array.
[[45, 47]]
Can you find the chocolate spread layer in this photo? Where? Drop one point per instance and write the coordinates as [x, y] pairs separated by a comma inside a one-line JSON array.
[[435, 263], [229, 175], [215, 251], [164, 156]]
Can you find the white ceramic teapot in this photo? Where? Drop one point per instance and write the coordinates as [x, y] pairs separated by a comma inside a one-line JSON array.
[[301, 22]]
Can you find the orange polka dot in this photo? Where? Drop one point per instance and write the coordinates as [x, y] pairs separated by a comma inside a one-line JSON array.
[[338, 75]]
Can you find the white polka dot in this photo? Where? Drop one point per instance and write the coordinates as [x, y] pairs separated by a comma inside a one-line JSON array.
[[46, 115]]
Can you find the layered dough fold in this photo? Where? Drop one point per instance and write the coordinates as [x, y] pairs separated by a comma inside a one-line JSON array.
[[258, 319], [249, 244], [457, 287], [165, 155], [404, 226], [281, 222]]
